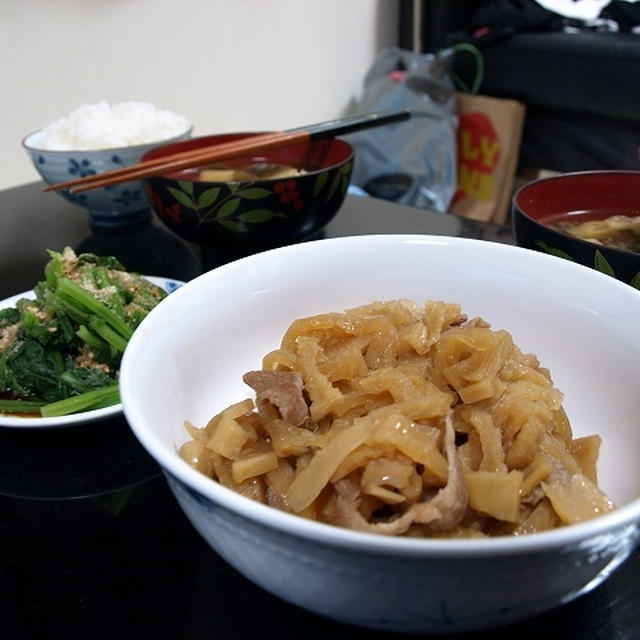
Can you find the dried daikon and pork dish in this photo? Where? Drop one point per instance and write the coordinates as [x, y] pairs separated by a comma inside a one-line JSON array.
[[404, 419]]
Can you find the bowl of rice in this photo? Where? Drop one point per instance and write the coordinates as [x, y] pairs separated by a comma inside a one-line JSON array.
[[95, 138], [409, 433]]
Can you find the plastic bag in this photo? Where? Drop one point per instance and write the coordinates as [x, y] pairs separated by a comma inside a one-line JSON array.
[[411, 162]]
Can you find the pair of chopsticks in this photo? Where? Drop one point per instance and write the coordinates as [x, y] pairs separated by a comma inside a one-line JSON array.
[[225, 150]]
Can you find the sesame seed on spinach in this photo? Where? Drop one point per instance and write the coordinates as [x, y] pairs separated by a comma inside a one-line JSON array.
[[60, 352]]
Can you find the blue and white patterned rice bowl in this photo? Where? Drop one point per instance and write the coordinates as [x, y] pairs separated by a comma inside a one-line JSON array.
[[108, 205]]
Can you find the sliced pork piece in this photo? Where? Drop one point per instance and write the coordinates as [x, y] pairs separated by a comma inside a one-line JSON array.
[[441, 513], [282, 389]]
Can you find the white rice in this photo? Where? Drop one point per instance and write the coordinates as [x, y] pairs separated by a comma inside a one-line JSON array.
[[104, 126]]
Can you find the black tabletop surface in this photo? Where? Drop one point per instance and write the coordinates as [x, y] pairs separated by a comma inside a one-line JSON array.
[[93, 544]]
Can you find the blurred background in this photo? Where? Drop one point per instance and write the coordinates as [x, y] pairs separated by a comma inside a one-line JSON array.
[[258, 64], [225, 65]]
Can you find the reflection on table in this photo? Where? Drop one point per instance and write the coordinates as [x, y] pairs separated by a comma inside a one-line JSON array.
[[92, 542]]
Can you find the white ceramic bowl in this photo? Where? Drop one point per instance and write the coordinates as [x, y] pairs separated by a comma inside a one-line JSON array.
[[218, 326], [106, 205]]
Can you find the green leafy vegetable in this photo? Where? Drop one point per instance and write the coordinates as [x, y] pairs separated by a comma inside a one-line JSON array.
[[60, 352], [8, 317], [31, 370], [20, 406], [95, 399]]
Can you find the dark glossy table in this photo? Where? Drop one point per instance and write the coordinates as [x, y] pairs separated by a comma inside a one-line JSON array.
[[92, 543]]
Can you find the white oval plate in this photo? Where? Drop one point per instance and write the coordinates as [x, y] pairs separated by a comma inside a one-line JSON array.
[[168, 284]]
